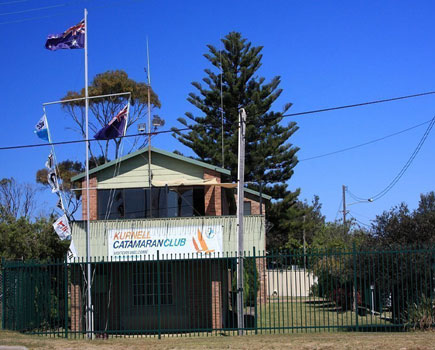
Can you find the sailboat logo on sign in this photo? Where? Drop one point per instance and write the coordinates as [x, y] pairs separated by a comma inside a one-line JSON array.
[[210, 233]]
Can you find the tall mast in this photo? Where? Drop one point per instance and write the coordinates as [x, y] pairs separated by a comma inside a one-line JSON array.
[[222, 114], [149, 131], [88, 244], [240, 214]]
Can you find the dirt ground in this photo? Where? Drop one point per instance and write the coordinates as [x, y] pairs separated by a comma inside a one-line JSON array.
[[316, 341]]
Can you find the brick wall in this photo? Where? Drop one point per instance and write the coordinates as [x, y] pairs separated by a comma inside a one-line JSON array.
[[255, 204], [76, 300], [262, 277], [212, 194], [76, 307], [216, 300], [93, 199]]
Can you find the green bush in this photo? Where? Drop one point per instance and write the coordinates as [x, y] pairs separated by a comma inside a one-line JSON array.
[[421, 314], [250, 285]]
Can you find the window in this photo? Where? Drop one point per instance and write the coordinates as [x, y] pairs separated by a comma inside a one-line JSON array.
[[146, 285], [246, 208], [185, 202], [133, 203], [111, 204]]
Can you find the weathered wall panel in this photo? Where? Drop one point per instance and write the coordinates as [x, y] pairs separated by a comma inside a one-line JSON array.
[[254, 226]]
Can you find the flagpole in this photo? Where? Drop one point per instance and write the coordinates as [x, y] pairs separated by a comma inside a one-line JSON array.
[[88, 245], [149, 133]]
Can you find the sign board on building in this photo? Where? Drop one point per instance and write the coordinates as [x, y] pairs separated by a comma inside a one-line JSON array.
[[166, 240]]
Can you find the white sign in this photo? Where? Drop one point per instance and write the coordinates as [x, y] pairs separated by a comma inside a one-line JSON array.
[[166, 240]]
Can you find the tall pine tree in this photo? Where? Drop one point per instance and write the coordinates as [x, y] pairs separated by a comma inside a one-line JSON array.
[[270, 157]]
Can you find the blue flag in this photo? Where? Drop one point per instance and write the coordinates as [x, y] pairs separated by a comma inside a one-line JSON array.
[[72, 38], [41, 129], [115, 128]]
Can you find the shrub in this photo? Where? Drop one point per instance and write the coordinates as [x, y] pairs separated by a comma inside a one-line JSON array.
[[421, 314]]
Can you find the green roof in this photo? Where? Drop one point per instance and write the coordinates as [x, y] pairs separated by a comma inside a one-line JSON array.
[[255, 193], [156, 150]]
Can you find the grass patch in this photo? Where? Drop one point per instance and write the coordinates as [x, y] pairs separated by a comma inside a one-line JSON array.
[[314, 315], [318, 341]]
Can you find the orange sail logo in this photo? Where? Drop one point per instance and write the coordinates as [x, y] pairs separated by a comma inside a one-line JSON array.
[[202, 243]]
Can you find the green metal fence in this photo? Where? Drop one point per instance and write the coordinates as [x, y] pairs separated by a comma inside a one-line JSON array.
[[196, 294]]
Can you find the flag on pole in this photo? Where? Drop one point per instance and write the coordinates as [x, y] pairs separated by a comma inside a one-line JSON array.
[[50, 161], [52, 181], [72, 252], [115, 128], [41, 128], [72, 38], [61, 226], [60, 203]]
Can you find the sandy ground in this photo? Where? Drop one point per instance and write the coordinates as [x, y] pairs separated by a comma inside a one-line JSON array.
[[316, 341]]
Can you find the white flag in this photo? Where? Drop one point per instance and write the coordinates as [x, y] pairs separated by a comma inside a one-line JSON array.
[[72, 252], [49, 163], [61, 226], [52, 181], [60, 203]]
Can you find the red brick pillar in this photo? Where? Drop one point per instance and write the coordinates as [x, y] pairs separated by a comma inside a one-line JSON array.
[[76, 307], [262, 279], [93, 199], [216, 303], [212, 194]]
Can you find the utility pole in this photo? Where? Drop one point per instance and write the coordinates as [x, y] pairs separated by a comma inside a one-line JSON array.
[[305, 246], [344, 208], [240, 207]]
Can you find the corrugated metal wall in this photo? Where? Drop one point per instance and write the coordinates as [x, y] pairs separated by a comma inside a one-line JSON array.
[[254, 226]]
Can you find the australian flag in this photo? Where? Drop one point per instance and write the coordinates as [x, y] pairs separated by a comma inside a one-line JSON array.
[[72, 38], [115, 128]]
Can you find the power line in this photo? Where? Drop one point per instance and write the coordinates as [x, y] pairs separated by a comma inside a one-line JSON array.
[[365, 143], [358, 104], [191, 127], [80, 141], [34, 9], [56, 14], [35, 18], [359, 214], [354, 196], [359, 221], [407, 164], [12, 2]]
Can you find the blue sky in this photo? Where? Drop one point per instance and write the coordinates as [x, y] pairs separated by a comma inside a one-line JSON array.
[[327, 54]]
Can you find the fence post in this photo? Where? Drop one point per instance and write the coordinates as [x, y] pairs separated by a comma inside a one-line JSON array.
[[158, 296], [256, 291], [66, 295], [3, 271], [355, 288]]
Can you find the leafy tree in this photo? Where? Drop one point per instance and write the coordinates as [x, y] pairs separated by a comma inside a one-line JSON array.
[[270, 157], [400, 226], [65, 171], [21, 239], [333, 236], [293, 220], [398, 229], [104, 109]]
